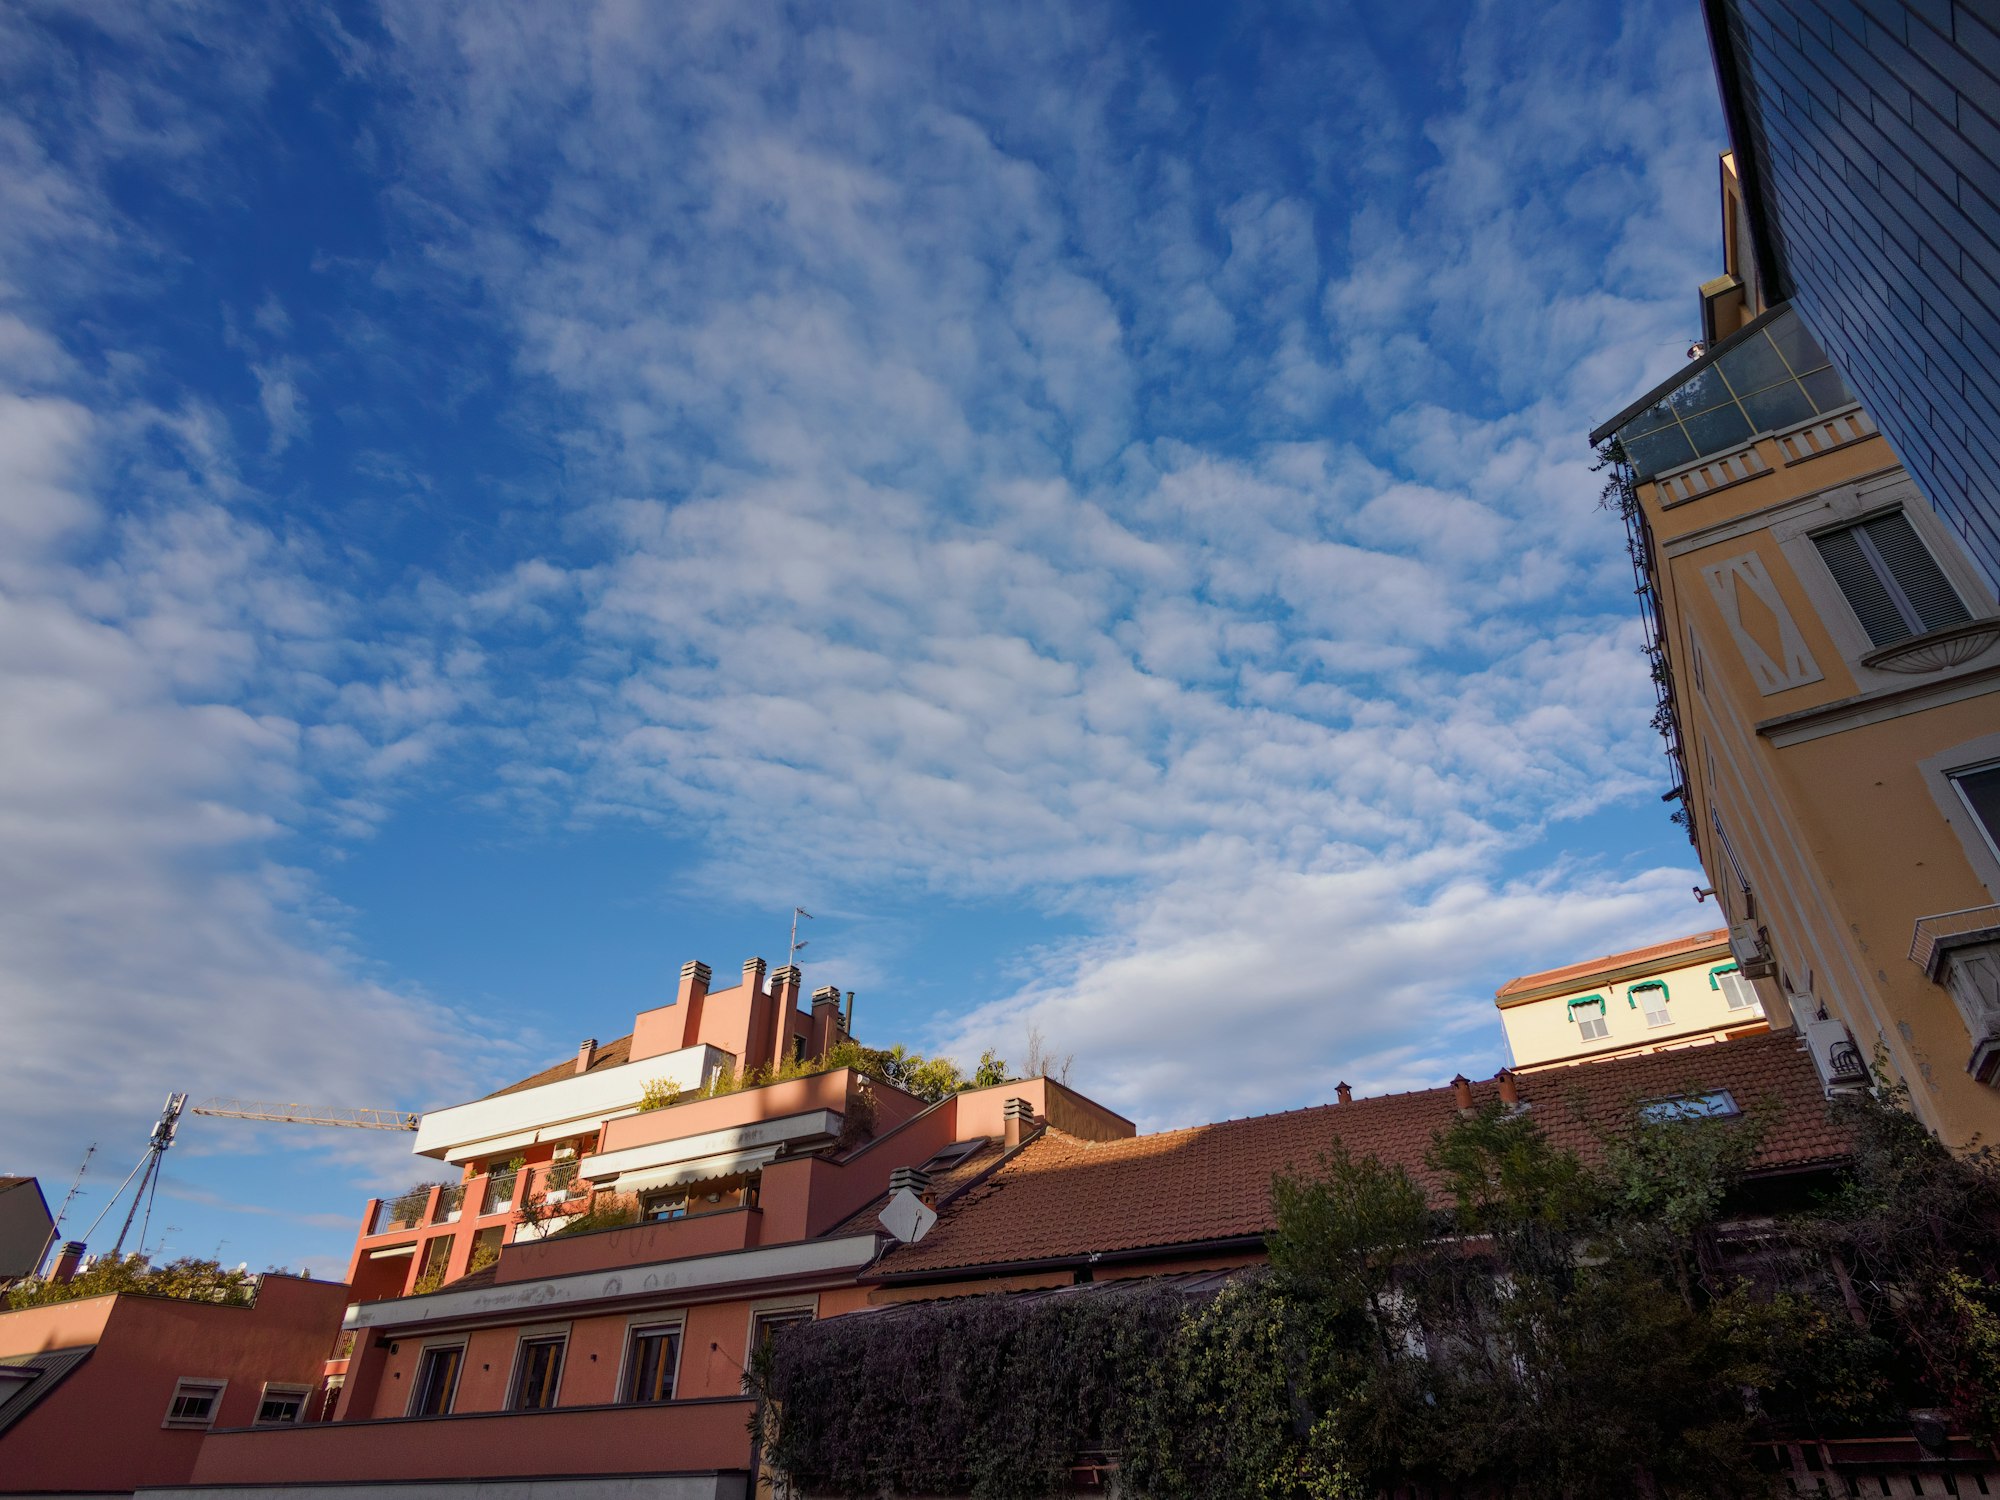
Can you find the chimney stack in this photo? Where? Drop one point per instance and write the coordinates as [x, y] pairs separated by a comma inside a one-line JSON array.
[[847, 1021], [1017, 1122], [1343, 1093], [1461, 1094], [784, 995], [1510, 1088], [916, 1179], [826, 1017], [586, 1054], [695, 976], [67, 1261]]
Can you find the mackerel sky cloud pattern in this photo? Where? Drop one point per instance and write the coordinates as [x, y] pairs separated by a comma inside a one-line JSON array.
[[1090, 501]]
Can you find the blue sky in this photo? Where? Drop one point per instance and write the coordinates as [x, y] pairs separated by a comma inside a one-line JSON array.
[[1088, 499]]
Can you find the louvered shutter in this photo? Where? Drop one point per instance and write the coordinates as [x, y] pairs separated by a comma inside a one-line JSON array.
[[1867, 595], [1912, 569], [1893, 584]]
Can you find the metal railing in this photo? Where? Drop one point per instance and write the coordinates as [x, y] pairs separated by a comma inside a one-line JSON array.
[[450, 1203], [404, 1210], [500, 1192]]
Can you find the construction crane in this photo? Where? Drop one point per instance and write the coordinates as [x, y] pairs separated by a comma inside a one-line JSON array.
[[308, 1114], [148, 1173]]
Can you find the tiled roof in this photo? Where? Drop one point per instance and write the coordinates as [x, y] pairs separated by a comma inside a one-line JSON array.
[[610, 1055], [1658, 952], [943, 1184], [1061, 1197]]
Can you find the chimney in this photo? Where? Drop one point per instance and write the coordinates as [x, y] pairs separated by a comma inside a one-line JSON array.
[[586, 1054], [916, 1179], [66, 1262], [1343, 1093], [1017, 1122], [784, 995], [1461, 1094], [695, 976], [826, 1018], [847, 1021], [1510, 1088]]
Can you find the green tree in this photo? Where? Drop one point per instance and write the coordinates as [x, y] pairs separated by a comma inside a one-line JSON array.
[[189, 1279]]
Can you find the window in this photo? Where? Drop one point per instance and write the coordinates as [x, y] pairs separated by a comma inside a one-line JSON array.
[[1893, 584], [194, 1403], [538, 1371], [1711, 1106], [1978, 787], [764, 1324], [656, 1207], [1737, 992], [798, 1049], [1652, 994], [437, 1380], [652, 1363], [282, 1404], [1588, 1013]]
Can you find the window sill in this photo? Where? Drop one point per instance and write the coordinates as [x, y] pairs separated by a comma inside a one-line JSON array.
[[1936, 650]]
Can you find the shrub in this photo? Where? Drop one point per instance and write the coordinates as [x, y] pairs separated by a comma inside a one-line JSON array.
[[188, 1279]]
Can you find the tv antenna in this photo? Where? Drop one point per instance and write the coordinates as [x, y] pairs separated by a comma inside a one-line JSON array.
[[75, 1187], [797, 941]]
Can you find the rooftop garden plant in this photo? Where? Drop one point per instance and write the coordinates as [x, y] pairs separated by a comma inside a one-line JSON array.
[[930, 1078], [188, 1279]]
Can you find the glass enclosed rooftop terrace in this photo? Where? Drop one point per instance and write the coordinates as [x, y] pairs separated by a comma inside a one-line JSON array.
[[1764, 378]]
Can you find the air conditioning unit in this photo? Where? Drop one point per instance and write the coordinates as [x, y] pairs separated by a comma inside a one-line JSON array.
[[1751, 952], [1842, 1068]]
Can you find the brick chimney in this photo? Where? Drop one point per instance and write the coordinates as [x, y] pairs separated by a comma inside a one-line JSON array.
[[826, 1017], [1343, 1093], [1510, 1088], [784, 997], [586, 1054], [70, 1257], [1017, 1117], [695, 976], [916, 1179], [1461, 1094]]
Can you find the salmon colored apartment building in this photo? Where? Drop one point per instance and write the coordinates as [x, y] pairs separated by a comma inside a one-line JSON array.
[[492, 1337], [103, 1395]]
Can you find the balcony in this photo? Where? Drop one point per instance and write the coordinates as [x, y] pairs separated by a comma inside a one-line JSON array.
[[499, 1195], [704, 1439], [409, 1209], [631, 1245], [1960, 951]]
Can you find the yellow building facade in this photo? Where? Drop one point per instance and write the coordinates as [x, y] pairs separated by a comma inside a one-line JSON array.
[[1828, 660], [1686, 993]]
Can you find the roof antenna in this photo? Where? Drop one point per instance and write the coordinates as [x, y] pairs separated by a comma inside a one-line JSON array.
[[797, 942], [62, 1213]]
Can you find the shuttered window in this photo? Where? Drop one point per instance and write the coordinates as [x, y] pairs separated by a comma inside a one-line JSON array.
[[1891, 581]]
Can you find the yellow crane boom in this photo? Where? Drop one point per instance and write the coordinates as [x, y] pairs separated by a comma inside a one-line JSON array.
[[308, 1114]]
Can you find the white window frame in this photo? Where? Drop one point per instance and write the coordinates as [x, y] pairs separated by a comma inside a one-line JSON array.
[[1656, 1016], [1990, 836], [462, 1345], [1939, 772], [675, 1322], [1846, 505], [522, 1339], [1753, 1004], [188, 1384], [282, 1388]]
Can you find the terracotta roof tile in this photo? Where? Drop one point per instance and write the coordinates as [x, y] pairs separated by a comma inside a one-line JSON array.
[[1675, 949], [1061, 1197], [944, 1184], [610, 1055]]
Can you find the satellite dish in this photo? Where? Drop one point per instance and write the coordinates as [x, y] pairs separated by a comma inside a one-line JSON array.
[[907, 1217]]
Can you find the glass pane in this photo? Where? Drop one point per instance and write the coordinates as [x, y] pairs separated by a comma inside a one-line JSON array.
[[1828, 391], [1649, 420], [1719, 429], [1659, 451], [1704, 390], [1753, 365], [1981, 791], [1779, 406], [1801, 351]]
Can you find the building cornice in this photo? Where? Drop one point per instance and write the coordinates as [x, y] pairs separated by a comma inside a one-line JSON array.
[[1878, 706]]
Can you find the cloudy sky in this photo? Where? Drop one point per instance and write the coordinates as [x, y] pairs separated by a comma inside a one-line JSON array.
[[1090, 500]]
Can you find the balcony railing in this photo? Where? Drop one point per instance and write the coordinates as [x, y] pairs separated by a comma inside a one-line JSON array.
[[404, 1210], [500, 1192], [450, 1203]]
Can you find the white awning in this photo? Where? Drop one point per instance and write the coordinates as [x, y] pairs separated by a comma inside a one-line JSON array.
[[685, 1173]]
